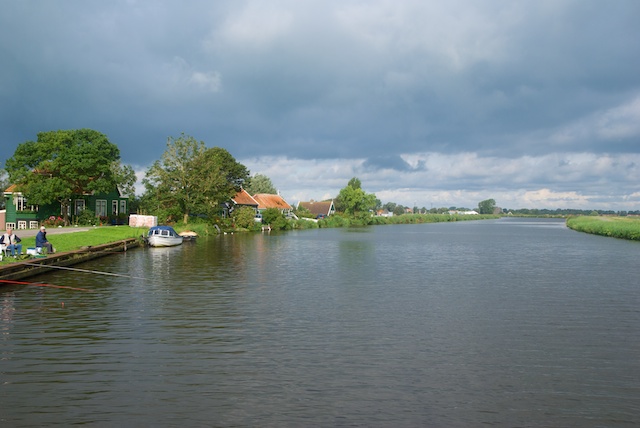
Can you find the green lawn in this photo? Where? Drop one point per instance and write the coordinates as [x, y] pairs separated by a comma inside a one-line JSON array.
[[76, 240]]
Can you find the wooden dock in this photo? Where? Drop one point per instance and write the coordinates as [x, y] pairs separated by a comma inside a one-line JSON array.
[[39, 265]]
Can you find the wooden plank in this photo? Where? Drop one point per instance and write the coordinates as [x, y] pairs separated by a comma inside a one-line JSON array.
[[36, 266]]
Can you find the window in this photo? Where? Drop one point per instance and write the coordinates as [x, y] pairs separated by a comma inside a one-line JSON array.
[[123, 206], [101, 208], [21, 204], [79, 206], [114, 207]]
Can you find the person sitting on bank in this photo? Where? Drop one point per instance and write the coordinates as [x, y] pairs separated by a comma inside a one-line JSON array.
[[12, 242], [41, 240]]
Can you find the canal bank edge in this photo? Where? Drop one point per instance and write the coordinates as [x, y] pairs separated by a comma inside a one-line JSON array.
[[36, 266]]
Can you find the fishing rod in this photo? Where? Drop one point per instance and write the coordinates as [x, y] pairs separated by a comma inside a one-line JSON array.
[[42, 284], [84, 270]]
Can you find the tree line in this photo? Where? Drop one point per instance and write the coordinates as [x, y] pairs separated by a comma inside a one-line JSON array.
[[190, 180]]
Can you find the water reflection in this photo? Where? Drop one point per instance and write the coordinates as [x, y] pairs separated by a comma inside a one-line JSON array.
[[7, 310]]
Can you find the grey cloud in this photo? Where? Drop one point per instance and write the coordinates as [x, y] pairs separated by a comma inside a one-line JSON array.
[[395, 163]]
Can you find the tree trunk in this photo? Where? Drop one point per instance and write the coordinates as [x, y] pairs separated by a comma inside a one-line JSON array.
[[185, 218], [64, 207]]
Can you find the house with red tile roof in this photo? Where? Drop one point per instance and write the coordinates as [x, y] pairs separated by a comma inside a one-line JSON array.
[[243, 198], [259, 202], [319, 209], [266, 201]]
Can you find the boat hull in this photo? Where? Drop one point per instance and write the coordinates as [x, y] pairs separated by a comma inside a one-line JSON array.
[[160, 241]]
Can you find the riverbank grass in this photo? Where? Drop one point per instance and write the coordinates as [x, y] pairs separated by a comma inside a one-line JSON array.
[[97, 236], [76, 240], [616, 227]]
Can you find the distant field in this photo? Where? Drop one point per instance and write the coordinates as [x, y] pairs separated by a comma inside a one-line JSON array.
[[616, 227]]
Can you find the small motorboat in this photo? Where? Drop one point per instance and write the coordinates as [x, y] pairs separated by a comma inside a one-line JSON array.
[[163, 236]]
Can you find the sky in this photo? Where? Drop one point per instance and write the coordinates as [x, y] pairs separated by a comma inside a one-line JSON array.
[[535, 104]]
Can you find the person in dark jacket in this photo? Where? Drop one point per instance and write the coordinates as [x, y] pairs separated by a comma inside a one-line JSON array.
[[11, 241], [41, 240]]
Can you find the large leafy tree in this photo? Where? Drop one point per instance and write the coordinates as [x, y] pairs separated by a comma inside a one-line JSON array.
[[192, 179], [64, 163], [260, 183], [487, 206], [222, 177], [352, 199]]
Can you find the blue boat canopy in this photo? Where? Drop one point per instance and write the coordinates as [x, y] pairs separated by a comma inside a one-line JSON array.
[[165, 231], [161, 228]]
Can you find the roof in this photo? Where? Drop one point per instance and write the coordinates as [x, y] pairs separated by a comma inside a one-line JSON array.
[[244, 198], [266, 201], [12, 189], [317, 208]]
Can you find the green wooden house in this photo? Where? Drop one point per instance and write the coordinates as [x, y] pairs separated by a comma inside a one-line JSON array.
[[109, 208]]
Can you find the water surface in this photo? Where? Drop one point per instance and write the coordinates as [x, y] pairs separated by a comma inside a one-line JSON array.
[[507, 323]]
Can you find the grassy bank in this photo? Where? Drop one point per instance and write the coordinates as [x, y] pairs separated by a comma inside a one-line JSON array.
[[97, 236], [616, 227], [76, 240]]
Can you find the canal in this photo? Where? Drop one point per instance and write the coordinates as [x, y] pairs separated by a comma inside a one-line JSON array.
[[506, 322]]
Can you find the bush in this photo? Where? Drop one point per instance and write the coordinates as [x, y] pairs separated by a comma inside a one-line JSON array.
[[53, 221], [244, 217], [225, 224], [86, 218], [337, 220], [304, 224], [274, 218]]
